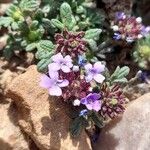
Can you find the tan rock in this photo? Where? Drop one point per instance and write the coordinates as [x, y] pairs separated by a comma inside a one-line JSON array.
[[132, 131], [11, 137], [42, 117]]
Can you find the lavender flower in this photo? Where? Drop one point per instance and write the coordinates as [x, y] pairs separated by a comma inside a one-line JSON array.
[[120, 15], [129, 28], [94, 72], [60, 62], [81, 60], [83, 112], [53, 84], [92, 101]]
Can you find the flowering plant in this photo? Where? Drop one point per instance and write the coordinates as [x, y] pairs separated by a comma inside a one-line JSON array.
[[129, 28], [86, 85]]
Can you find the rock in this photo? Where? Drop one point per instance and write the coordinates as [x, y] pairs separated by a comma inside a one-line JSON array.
[[5, 78], [132, 131], [3, 8], [3, 41], [42, 117], [11, 137], [135, 91]]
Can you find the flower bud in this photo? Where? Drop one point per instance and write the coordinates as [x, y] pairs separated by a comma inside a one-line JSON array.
[[115, 28], [75, 68], [139, 19], [76, 102]]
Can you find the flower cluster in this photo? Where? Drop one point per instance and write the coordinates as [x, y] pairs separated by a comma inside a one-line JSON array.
[[113, 102], [72, 76], [129, 28], [71, 43]]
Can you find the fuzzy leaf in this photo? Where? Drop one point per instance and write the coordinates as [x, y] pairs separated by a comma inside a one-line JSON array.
[[5, 21], [120, 74], [46, 45], [14, 26], [42, 65], [77, 126], [31, 47], [66, 16], [11, 10], [97, 120], [92, 34], [44, 54], [56, 23], [92, 44], [29, 5]]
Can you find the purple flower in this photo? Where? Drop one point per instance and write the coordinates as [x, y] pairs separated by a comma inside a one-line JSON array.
[[53, 84], [145, 30], [117, 36], [93, 72], [83, 112], [92, 101], [81, 60], [61, 63], [120, 15]]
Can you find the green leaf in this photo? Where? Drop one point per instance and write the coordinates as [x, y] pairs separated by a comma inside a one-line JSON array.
[[8, 52], [5, 21], [29, 5], [43, 64], [92, 44], [66, 16], [99, 121], [77, 125], [122, 80], [92, 34], [12, 9], [56, 23], [120, 74], [46, 45], [14, 26], [31, 47], [44, 54]]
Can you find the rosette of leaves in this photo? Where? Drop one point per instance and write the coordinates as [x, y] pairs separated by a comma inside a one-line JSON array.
[[75, 15], [17, 12], [27, 30], [69, 22], [142, 53]]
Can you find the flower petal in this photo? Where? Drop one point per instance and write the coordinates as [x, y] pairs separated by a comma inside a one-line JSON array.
[[63, 83], [65, 68], [84, 101], [97, 105], [55, 91], [46, 82], [99, 78], [70, 65], [93, 96], [54, 67], [68, 59], [89, 106], [89, 78], [56, 58], [88, 67], [54, 75], [99, 67]]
